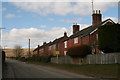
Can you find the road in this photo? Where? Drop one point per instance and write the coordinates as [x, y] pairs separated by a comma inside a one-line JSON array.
[[17, 69]]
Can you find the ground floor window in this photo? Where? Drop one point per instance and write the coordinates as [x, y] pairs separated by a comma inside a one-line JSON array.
[[65, 53]]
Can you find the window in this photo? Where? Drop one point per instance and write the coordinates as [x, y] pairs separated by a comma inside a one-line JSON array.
[[65, 53], [49, 47], [75, 40], [97, 36], [54, 46], [65, 44]]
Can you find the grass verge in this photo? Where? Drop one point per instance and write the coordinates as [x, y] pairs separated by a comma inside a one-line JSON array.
[[94, 70]]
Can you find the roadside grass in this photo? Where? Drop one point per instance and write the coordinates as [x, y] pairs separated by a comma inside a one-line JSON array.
[[94, 70]]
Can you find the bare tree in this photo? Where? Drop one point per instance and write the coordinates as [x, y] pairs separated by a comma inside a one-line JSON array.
[[18, 50]]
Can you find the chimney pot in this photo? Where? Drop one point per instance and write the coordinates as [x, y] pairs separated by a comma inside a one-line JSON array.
[[44, 43], [99, 11], [65, 34], [96, 11]]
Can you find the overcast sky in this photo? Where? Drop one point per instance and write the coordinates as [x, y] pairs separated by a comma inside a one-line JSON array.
[[46, 21]]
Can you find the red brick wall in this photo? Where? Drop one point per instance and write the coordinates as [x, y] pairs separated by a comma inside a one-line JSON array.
[[61, 46], [85, 40], [93, 40], [93, 36]]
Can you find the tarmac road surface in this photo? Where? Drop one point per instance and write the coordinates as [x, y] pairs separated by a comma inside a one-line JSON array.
[[17, 69]]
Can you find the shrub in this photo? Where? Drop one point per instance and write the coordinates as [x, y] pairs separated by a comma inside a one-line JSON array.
[[79, 51], [22, 59], [39, 58], [45, 59]]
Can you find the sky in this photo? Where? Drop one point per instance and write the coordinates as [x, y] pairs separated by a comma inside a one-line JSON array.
[[46, 21]]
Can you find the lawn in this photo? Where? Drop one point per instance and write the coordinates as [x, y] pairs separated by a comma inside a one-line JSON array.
[[95, 70]]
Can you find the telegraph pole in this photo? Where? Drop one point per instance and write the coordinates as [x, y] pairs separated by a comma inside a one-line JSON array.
[[29, 47]]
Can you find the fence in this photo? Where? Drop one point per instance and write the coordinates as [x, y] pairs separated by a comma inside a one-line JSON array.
[[110, 58]]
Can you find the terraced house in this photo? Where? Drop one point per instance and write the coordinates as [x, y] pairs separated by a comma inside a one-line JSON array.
[[89, 36], [51, 47]]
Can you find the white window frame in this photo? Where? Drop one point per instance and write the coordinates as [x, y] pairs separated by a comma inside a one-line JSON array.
[[97, 36], [50, 47], [54, 46], [65, 53], [75, 40], [65, 44]]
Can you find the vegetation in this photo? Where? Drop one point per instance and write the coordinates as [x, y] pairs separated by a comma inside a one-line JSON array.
[[18, 51], [39, 58], [109, 38], [94, 70], [79, 51]]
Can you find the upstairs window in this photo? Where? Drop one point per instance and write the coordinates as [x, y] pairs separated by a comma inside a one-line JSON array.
[[50, 47], [97, 36], [65, 44], [75, 40], [54, 46]]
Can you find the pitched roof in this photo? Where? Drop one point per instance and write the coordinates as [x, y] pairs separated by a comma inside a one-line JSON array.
[[57, 40], [35, 49], [50, 43], [40, 47], [88, 30]]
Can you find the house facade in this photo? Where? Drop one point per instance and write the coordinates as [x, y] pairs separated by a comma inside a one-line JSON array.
[[88, 36], [51, 47]]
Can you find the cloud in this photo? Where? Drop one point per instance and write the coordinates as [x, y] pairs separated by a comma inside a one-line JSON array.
[[62, 8], [3, 9], [82, 26], [78, 20], [42, 26], [113, 18], [103, 6], [10, 15], [51, 19], [37, 36], [59, 0]]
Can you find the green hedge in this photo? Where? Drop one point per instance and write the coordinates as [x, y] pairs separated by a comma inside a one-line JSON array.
[[38, 58], [79, 51], [109, 38]]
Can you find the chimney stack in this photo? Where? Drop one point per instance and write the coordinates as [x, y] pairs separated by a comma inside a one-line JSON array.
[[96, 17], [44, 43], [75, 28], [65, 34]]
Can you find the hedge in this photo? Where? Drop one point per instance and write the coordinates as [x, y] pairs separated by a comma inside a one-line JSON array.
[[38, 58], [79, 51]]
